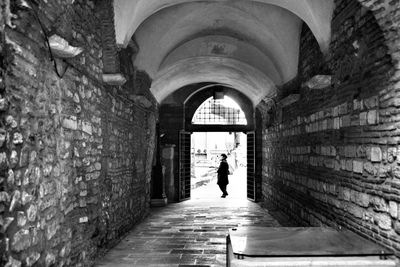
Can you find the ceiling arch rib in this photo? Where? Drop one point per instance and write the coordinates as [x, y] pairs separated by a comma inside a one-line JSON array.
[[129, 14], [230, 72], [258, 25], [224, 46]]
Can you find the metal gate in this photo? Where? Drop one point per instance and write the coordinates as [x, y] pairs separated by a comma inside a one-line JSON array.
[[184, 165], [251, 170]]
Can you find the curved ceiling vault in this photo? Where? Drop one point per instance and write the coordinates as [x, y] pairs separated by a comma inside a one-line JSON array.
[[250, 45]]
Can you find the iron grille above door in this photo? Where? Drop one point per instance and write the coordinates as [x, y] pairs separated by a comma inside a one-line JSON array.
[[219, 111]]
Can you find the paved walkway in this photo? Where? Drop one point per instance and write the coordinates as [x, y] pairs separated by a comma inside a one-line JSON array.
[[190, 233]]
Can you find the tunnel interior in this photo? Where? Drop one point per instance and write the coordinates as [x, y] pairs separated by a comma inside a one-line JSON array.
[[97, 100]]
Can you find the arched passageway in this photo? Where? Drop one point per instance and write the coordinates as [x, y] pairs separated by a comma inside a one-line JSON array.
[[94, 95]]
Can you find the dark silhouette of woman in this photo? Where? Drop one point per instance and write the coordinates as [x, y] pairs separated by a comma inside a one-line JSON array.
[[223, 171]]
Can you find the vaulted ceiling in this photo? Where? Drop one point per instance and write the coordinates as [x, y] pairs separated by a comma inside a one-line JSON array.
[[249, 45]]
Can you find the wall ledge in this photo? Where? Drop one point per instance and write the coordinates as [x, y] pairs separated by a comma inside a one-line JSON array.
[[114, 79], [319, 82], [290, 99]]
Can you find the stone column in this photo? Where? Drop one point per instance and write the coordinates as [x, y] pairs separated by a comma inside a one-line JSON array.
[[168, 153]]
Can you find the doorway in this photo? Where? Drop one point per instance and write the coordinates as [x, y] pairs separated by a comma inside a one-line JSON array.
[[200, 156], [206, 148]]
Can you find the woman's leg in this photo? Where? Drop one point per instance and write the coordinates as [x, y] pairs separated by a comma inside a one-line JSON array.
[[223, 189]]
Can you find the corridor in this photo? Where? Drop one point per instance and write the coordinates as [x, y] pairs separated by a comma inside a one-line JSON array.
[[100, 99], [190, 233]]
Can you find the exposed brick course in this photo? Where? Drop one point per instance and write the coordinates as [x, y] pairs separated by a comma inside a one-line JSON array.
[[332, 159]]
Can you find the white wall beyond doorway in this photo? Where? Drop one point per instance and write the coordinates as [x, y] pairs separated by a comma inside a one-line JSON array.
[[236, 188], [206, 148]]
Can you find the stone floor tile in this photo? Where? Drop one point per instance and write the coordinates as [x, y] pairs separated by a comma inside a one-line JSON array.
[[190, 233]]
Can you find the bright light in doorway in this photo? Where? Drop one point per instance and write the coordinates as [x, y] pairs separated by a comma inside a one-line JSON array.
[[230, 103]]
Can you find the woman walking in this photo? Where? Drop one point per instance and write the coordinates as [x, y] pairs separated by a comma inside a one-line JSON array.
[[223, 172]]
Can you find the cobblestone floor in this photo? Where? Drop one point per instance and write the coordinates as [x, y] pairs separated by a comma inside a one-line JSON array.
[[190, 233]]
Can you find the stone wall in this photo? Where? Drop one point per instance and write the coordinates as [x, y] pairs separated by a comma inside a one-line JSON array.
[[71, 177], [333, 157]]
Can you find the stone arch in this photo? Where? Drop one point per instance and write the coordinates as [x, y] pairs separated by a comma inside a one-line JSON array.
[[195, 99], [251, 82]]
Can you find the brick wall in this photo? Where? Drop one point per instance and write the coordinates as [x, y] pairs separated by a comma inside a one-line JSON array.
[[105, 12], [71, 177], [333, 158]]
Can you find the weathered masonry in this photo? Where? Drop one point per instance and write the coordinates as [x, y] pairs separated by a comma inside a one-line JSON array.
[[332, 158], [88, 87], [75, 174]]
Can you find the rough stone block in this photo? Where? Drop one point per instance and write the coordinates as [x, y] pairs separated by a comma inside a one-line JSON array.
[[393, 209], [345, 121], [21, 240], [357, 104], [324, 124], [363, 118], [379, 204], [343, 108], [349, 165], [31, 212], [14, 159], [346, 194], [355, 210], [350, 151], [24, 157], [336, 123], [358, 166], [21, 218], [16, 200], [371, 102], [362, 199], [7, 221], [18, 139], [361, 151], [70, 123], [337, 165], [87, 127], [324, 150], [376, 154], [370, 168], [343, 164], [10, 121], [50, 259], [329, 163], [383, 220], [397, 227], [372, 117], [51, 229], [13, 262], [4, 197], [335, 111], [3, 135], [32, 259], [83, 219]]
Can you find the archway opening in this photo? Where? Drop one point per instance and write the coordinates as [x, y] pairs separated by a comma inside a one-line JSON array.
[[203, 147]]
